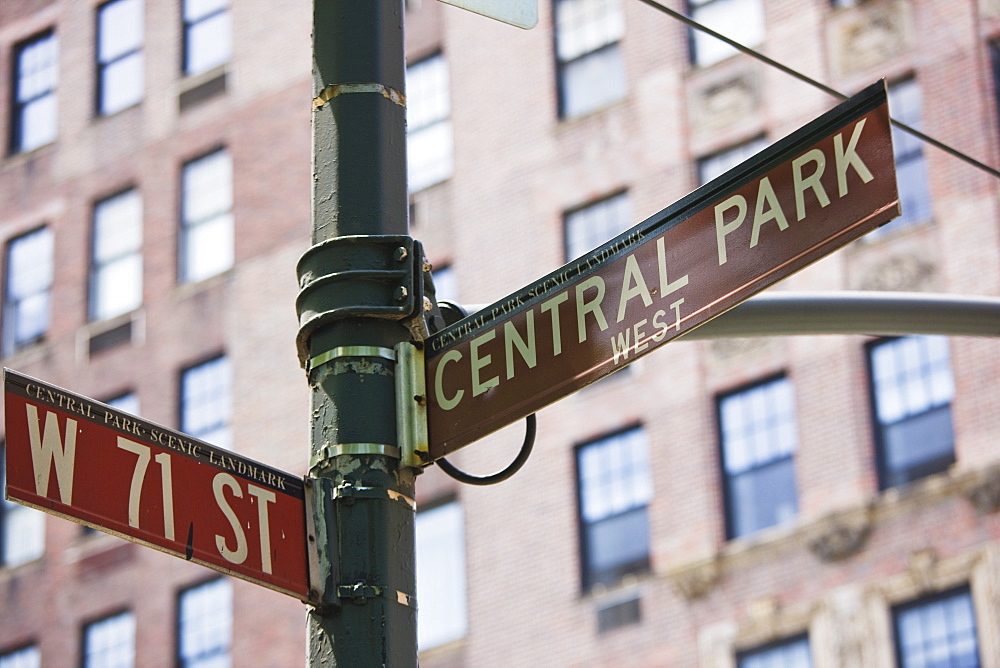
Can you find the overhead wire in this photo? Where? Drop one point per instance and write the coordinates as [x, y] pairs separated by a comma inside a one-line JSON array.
[[683, 18]]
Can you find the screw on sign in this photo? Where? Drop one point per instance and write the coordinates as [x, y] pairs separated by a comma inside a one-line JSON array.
[[82, 460], [800, 199]]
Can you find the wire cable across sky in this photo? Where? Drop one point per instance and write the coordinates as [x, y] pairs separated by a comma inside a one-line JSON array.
[[683, 18]]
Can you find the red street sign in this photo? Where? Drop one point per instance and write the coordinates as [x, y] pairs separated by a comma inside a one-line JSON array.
[[798, 200], [79, 459]]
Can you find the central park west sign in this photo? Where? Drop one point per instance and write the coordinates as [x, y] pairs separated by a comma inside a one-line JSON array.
[[798, 200]]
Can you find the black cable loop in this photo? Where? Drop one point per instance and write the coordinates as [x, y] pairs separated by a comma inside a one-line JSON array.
[[499, 476]]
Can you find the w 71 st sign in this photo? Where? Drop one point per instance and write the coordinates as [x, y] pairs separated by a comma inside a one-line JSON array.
[[80, 459]]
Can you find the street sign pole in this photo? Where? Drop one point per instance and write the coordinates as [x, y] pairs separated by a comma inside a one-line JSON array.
[[356, 290]]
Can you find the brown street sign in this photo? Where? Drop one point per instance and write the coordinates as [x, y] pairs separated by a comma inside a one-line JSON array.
[[82, 460], [798, 200]]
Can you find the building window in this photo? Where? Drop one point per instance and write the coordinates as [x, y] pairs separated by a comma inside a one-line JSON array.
[[116, 265], [206, 245], [912, 389], [205, 625], [615, 488], [110, 642], [25, 657], [206, 402], [719, 163], [126, 403], [587, 228], [440, 548], [36, 72], [429, 145], [590, 65], [28, 290], [119, 55], [937, 631], [22, 529], [740, 20], [758, 430], [786, 654], [911, 166], [208, 35], [445, 284]]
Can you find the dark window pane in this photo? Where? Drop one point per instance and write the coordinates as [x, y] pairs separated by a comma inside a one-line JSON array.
[[939, 632], [590, 66], [759, 438], [791, 654], [119, 54], [618, 545], [29, 283], [912, 389], [763, 497], [34, 110], [614, 489]]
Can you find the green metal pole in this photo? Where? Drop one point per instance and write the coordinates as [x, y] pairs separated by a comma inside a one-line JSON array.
[[351, 309]]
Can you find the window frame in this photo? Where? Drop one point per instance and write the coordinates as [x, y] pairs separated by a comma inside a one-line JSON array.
[[183, 417], [563, 64], [926, 601], [96, 265], [459, 573], [10, 341], [93, 624], [6, 508], [181, 660], [726, 478], [443, 165], [185, 273], [906, 159], [11, 654], [692, 7], [18, 109], [188, 26], [590, 579], [103, 66], [879, 435], [762, 651], [618, 198], [732, 155]]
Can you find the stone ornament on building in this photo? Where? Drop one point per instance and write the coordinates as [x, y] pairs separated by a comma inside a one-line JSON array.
[[869, 35], [840, 536], [984, 493], [696, 580], [722, 103], [900, 273], [848, 629], [727, 349], [989, 9]]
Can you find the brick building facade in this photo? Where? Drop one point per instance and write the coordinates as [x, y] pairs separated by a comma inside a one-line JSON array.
[[825, 501]]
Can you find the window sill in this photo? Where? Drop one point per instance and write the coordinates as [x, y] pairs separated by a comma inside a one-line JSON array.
[[185, 289], [596, 112], [18, 157], [202, 87], [29, 353], [121, 331]]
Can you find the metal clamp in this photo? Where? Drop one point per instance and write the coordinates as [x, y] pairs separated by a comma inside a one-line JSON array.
[[350, 351], [320, 459], [357, 277], [361, 593], [351, 492]]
